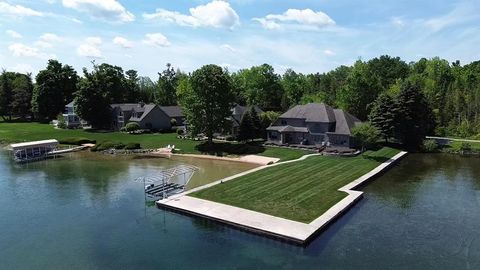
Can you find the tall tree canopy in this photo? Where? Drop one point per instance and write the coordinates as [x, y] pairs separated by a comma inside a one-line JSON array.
[[167, 85], [95, 94], [259, 85], [207, 99], [6, 94], [384, 115], [54, 88]]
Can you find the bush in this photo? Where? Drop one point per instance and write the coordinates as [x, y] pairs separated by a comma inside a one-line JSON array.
[[107, 145], [132, 146], [180, 131], [173, 122], [229, 138], [123, 129], [465, 147], [61, 121], [76, 141], [430, 146], [132, 126]]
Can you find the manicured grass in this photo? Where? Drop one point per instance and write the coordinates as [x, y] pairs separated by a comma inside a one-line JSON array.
[[20, 132], [299, 191], [284, 154]]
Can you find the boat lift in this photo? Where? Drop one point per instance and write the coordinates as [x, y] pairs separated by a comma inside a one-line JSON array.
[[169, 181]]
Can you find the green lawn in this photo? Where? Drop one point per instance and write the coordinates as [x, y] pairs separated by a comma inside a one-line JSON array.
[[299, 191], [20, 132]]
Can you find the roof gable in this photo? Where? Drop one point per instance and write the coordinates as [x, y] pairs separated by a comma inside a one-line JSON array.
[[312, 112]]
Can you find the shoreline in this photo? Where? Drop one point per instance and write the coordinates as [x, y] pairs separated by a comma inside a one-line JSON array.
[[267, 225]]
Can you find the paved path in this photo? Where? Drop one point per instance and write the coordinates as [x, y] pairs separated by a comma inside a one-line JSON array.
[[264, 224]]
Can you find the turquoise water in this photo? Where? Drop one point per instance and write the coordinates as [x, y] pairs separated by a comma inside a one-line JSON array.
[[85, 212]]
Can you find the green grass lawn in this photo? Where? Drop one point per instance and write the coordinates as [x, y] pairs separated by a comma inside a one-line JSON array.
[[299, 191], [20, 132]]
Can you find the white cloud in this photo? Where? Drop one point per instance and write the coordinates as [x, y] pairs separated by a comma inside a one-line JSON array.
[[156, 39], [90, 48], [329, 52], [121, 41], [108, 10], [217, 14], [47, 40], [49, 37], [227, 47], [22, 50], [306, 17], [13, 34], [18, 10], [462, 13]]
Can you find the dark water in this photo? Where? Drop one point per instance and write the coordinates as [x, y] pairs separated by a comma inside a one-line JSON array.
[[87, 213]]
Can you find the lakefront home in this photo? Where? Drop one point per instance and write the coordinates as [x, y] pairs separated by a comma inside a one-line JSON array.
[[237, 114], [148, 116], [313, 124]]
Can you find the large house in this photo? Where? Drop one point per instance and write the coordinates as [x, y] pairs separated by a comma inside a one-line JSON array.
[[313, 124], [148, 116]]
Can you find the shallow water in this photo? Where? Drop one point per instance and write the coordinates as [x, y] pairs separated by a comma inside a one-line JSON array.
[[85, 212]]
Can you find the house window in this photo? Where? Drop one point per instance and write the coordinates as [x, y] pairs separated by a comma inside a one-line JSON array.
[[284, 122]]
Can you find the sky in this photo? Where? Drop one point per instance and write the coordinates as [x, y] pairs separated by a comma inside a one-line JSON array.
[[308, 36]]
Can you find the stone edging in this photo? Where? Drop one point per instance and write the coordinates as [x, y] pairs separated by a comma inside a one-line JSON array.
[[267, 225]]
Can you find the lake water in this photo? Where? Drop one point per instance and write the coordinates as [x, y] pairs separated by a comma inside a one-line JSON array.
[[85, 212]]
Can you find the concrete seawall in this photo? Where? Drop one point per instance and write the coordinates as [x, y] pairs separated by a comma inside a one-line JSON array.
[[267, 225]]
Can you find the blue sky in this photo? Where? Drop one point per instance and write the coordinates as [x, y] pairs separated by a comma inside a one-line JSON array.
[[306, 35]]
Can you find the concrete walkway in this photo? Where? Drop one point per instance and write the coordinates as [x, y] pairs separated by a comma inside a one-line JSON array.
[[288, 230]]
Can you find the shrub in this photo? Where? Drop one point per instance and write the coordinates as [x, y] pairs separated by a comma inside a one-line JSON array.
[[465, 147], [132, 126], [132, 146], [76, 141], [106, 146], [229, 138], [430, 146], [123, 129], [180, 131], [61, 121], [173, 122]]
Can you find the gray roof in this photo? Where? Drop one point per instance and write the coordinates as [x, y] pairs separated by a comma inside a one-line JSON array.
[[288, 129], [312, 112], [345, 122], [172, 111], [147, 108], [129, 106], [238, 111], [71, 104]]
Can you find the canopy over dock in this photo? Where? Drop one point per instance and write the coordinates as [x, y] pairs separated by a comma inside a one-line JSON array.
[[167, 181], [29, 151]]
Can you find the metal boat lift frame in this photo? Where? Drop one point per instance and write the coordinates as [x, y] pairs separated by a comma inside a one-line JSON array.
[[162, 181]]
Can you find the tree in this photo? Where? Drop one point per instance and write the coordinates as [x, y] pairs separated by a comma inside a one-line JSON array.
[[22, 95], [366, 135], [389, 69], [383, 115], [167, 85], [146, 90], [6, 95], [260, 86], [250, 127], [92, 100], [132, 87], [207, 100], [294, 86], [415, 117], [362, 88], [266, 119], [54, 88]]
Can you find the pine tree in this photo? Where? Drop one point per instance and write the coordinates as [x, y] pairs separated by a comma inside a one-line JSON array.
[[256, 123], [246, 130], [6, 95], [383, 115]]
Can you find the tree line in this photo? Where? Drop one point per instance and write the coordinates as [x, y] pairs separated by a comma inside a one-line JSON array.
[[450, 90]]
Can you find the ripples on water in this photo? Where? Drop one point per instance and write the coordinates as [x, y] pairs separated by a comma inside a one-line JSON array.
[[85, 212]]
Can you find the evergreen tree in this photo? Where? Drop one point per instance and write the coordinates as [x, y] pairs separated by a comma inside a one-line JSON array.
[[256, 123], [167, 85], [383, 115], [416, 119], [246, 130]]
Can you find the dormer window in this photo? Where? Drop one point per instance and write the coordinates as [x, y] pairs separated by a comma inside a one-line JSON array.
[[284, 122]]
